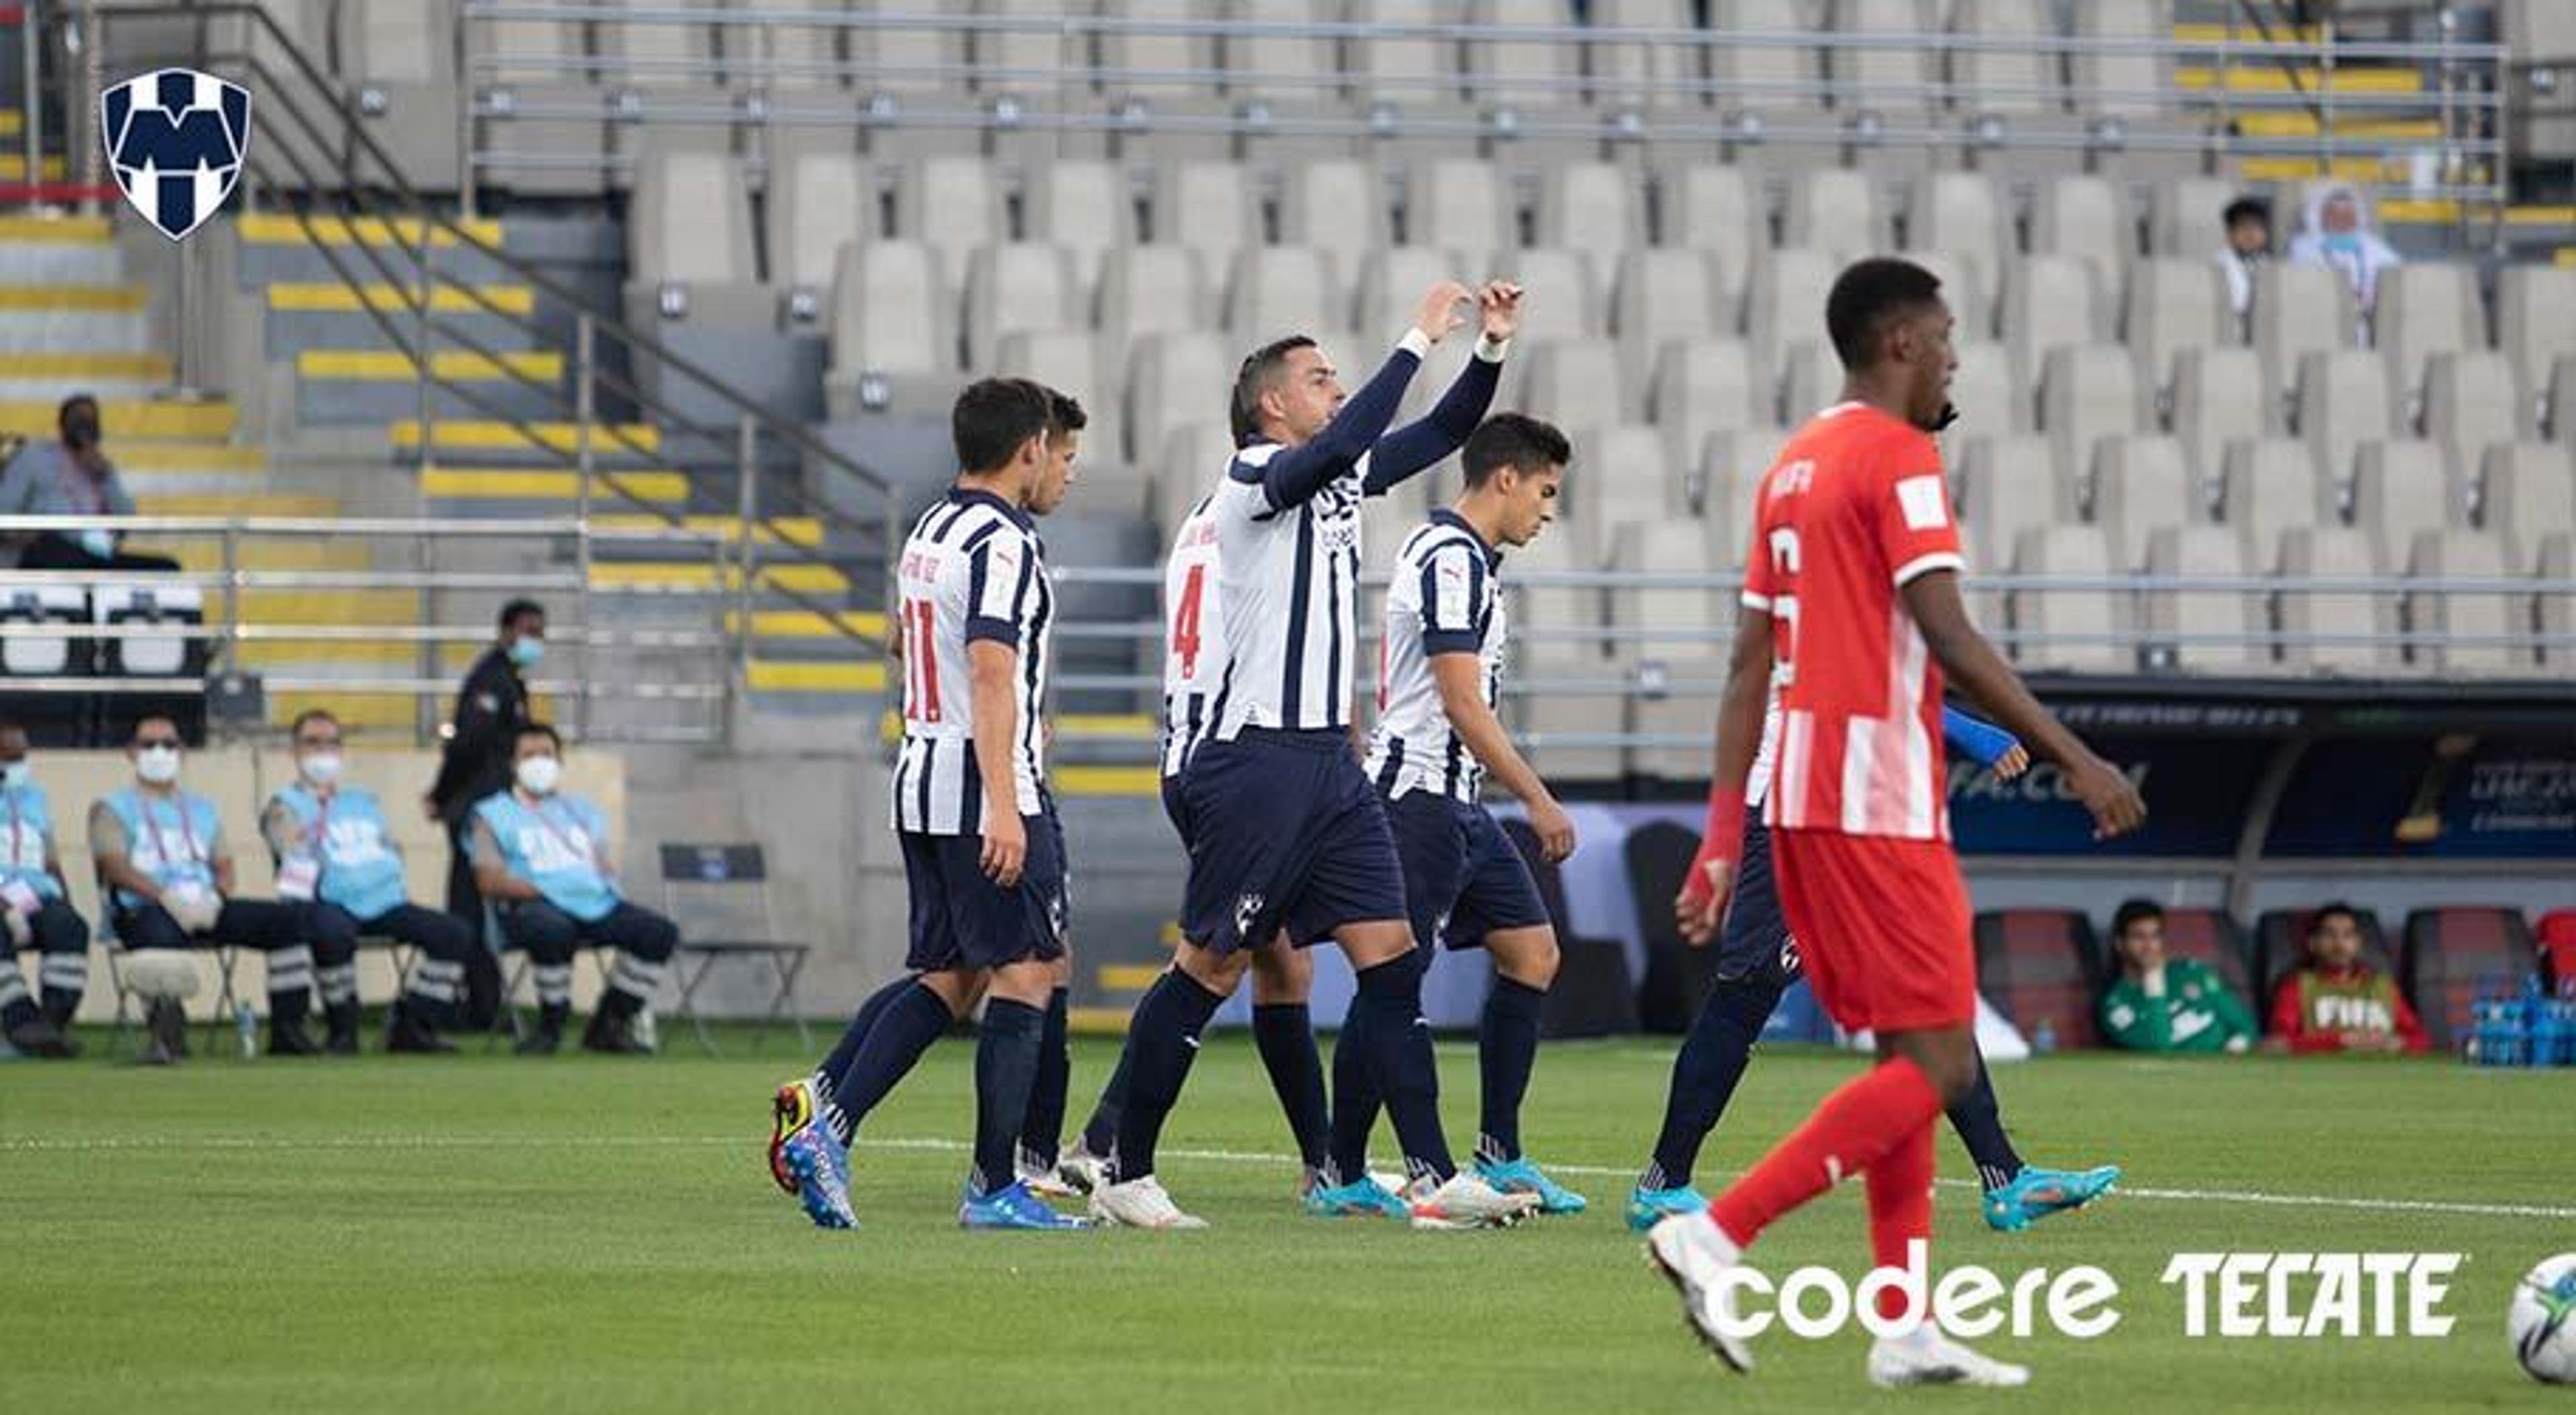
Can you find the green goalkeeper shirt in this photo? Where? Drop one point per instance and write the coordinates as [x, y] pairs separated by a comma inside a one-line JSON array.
[[2198, 1013]]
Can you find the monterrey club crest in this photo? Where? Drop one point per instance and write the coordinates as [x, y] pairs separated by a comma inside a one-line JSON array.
[[175, 140]]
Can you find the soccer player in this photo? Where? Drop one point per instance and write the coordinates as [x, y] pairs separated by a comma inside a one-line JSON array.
[[1851, 598], [982, 852], [1284, 828], [1757, 961], [1437, 738]]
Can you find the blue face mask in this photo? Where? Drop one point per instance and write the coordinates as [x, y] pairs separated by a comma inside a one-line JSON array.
[[2344, 242], [526, 650]]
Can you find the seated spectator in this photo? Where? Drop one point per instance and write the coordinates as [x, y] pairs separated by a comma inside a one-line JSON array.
[[2338, 235], [71, 477], [2249, 246], [168, 877], [2337, 1002], [335, 857], [2165, 1004], [35, 904], [543, 859]]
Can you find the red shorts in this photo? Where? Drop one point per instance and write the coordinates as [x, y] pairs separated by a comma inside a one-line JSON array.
[[1882, 927]]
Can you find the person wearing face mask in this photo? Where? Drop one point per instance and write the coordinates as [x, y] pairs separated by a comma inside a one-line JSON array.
[[168, 875], [2338, 234], [71, 477], [542, 856], [491, 708], [336, 858], [35, 907]]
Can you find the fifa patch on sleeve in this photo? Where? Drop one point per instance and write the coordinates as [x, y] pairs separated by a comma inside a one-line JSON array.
[[1920, 499]]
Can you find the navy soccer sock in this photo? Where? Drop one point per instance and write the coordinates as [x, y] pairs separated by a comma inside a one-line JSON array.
[[1006, 1068], [903, 1031], [1100, 1132], [1042, 1134], [1395, 1045], [1355, 1102], [1711, 1061], [1979, 1119], [1162, 1041], [1285, 1035], [835, 1070], [1506, 1049]]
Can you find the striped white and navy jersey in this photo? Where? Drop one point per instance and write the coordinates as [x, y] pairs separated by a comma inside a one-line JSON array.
[[1288, 543], [971, 570], [1445, 597], [1194, 638]]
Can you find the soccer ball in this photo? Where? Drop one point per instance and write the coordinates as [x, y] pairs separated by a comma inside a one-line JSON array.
[[2542, 1321]]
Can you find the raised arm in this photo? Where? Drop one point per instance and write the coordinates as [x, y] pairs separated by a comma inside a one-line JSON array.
[[1420, 445], [1293, 475]]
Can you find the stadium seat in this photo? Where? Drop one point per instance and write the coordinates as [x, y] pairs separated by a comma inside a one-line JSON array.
[[2209, 631], [694, 282], [1894, 79], [532, 65], [2272, 485], [2531, 324], [810, 60], [2335, 554], [819, 198], [1835, 209], [2341, 401], [1521, 73], [1028, 59], [1811, 380], [2086, 218], [2004, 80], [890, 324], [1139, 64], [2134, 86], [1630, 482], [652, 54], [2299, 310], [1664, 298], [2038, 967], [1566, 713], [1149, 290], [1554, 622], [904, 59], [2426, 309], [1982, 389], [951, 204], [1463, 204], [1278, 288], [1412, 71], [1962, 212], [1064, 360], [2554, 404], [2190, 216], [2063, 630], [2085, 395], [1660, 547], [2401, 490], [1566, 300], [1083, 205], [2218, 400], [2526, 491], [1391, 281], [1576, 383], [2049, 301], [1963, 288], [1591, 206], [1627, 74], [1718, 212], [2471, 400], [1703, 386], [1206, 206], [2452, 953], [2446, 625], [1785, 302], [2007, 485], [2280, 945], [2141, 485], [2557, 561], [2174, 304], [1194, 455], [400, 58], [2205, 936], [1268, 65], [1335, 205], [1023, 287]]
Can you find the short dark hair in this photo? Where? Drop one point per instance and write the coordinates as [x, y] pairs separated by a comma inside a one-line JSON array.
[[1515, 440], [1869, 294], [1064, 414], [2327, 910], [1259, 368], [537, 729], [2245, 209], [163, 718], [63, 409], [2131, 912], [994, 417], [311, 715], [517, 610]]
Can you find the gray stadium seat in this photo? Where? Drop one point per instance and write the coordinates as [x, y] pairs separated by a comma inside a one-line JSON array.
[[536, 69], [2471, 400], [2299, 310], [1893, 79], [2532, 326], [1258, 65], [1564, 299], [2401, 490], [694, 282], [1206, 206], [1194, 455], [1128, 55], [2085, 395], [2556, 418], [1963, 212], [2193, 622], [819, 198], [1982, 389], [1810, 381], [640, 53], [1020, 287], [2004, 80], [2338, 554], [1629, 74], [1037, 61], [1963, 287], [1836, 209], [2143, 485], [1591, 206], [2134, 86], [2342, 401], [1703, 386], [2050, 301], [2189, 217], [914, 59], [1731, 468], [1337, 205], [890, 322], [1065, 360], [1392, 280], [790, 56], [1148, 290], [2557, 561], [1278, 288], [2527, 493], [1661, 297], [1521, 73], [2218, 399], [400, 57], [2270, 486], [1174, 380], [952, 204], [1575, 383], [2007, 485], [2084, 217], [2423, 310], [1716, 210], [2069, 630], [2446, 623], [2175, 303], [1463, 204], [1411, 71], [1632, 481], [1084, 206], [1785, 303]]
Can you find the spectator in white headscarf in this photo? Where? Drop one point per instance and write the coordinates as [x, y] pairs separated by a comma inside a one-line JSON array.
[[2339, 235]]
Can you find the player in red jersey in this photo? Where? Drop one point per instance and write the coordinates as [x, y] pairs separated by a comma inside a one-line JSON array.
[[1851, 601]]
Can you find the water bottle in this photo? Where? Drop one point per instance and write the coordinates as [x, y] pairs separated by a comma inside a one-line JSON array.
[[2043, 1039], [246, 1029]]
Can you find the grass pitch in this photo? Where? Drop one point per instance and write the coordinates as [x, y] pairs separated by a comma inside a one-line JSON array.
[[586, 1234]]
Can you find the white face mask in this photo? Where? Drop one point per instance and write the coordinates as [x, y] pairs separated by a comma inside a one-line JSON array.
[[539, 775], [322, 768], [157, 765]]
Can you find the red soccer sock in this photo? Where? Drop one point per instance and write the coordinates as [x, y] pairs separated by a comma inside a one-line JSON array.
[[1860, 1122], [1900, 1208]]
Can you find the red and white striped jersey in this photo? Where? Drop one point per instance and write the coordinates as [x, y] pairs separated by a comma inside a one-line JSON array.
[[1853, 510]]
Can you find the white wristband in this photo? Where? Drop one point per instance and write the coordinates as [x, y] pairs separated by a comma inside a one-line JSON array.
[[1491, 350], [1416, 343]]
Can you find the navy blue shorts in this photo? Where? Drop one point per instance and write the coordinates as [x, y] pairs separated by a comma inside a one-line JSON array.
[[1755, 942], [1175, 809], [961, 919], [1462, 877], [1284, 830]]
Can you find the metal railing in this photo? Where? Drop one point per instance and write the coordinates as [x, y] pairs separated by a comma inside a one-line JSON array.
[[228, 627]]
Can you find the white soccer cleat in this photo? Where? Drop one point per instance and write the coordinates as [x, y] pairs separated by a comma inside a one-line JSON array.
[[1045, 1180], [1140, 1203], [1924, 1357], [1467, 1201], [1694, 1257], [1080, 1168]]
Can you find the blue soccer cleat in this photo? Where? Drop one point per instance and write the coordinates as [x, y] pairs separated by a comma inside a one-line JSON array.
[[1012, 1207], [1520, 1176], [808, 1160], [1361, 1198], [1648, 1207], [2036, 1193]]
